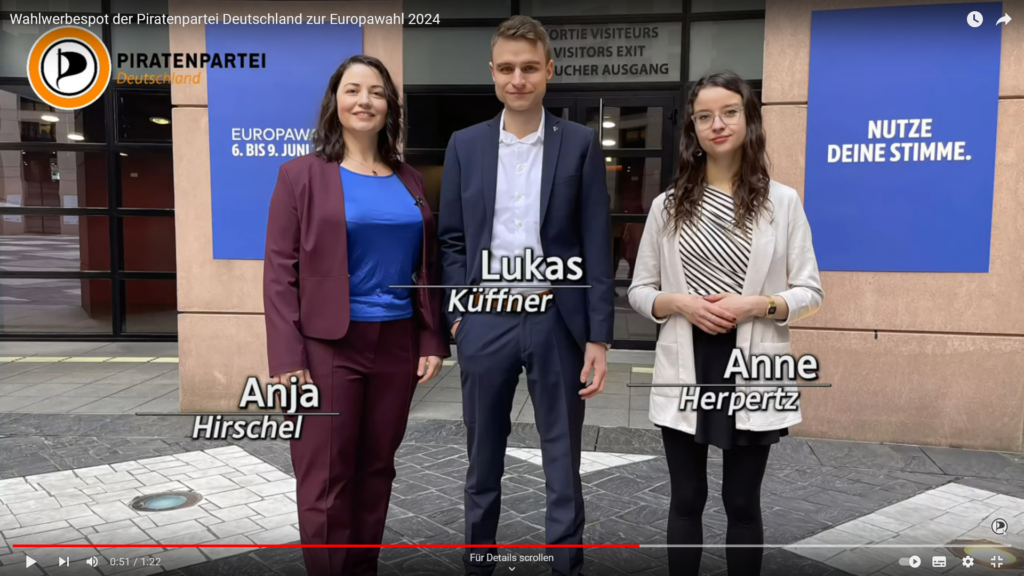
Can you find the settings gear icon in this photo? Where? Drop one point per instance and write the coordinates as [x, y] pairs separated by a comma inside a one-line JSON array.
[[967, 561]]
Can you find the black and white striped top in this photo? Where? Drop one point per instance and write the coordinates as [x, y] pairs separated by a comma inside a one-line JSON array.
[[714, 253]]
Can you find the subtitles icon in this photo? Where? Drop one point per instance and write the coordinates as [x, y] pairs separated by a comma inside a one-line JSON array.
[[974, 19], [999, 526], [938, 561]]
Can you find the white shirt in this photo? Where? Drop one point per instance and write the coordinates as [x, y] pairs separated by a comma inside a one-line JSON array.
[[516, 224]]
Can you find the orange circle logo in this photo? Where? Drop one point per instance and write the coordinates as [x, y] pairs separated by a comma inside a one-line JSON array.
[[69, 68]]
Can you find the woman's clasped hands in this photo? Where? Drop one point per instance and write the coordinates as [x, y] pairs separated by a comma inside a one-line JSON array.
[[718, 313]]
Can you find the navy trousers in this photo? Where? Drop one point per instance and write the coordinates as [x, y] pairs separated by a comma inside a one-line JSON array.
[[493, 348]]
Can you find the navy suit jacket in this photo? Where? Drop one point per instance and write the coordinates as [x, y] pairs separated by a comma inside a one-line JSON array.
[[574, 217]]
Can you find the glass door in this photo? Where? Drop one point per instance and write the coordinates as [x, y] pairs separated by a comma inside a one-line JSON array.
[[637, 136]]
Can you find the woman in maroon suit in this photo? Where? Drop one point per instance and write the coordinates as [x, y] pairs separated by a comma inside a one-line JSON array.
[[338, 317]]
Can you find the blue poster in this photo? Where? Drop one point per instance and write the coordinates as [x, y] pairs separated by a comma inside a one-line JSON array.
[[901, 137], [262, 117]]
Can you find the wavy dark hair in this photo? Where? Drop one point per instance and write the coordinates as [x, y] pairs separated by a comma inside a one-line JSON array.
[[328, 142], [750, 188]]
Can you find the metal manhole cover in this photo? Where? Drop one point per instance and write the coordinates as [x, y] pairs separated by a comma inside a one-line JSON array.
[[165, 501]]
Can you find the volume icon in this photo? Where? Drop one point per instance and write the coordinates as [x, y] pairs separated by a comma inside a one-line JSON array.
[[92, 562]]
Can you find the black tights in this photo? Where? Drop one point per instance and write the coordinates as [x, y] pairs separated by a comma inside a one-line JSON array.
[[743, 470]]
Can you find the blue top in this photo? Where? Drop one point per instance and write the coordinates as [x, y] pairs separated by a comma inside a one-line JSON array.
[[385, 237]]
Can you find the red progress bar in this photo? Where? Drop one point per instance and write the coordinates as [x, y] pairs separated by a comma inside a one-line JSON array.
[[325, 546]]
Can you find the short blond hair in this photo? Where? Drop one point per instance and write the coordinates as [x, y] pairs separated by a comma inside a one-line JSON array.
[[523, 28]]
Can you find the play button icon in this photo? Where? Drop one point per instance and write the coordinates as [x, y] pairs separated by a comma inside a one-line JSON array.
[[29, 561]]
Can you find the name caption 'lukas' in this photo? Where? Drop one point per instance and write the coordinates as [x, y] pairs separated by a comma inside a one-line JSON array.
[[525, 269]]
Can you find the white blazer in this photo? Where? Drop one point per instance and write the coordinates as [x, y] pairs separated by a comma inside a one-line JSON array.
[[782, 263]]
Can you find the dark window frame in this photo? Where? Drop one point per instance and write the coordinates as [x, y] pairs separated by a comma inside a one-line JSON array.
[[114, 212]]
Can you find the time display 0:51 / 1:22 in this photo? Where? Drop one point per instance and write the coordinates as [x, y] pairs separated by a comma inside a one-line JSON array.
[[143, 561]]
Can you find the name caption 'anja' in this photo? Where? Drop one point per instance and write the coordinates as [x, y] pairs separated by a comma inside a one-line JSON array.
[[286, 397]]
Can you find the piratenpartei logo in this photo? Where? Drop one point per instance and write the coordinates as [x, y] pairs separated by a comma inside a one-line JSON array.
[[69, 67]]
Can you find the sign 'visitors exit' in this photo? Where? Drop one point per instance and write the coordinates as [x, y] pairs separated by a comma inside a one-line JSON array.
[[616, 52]]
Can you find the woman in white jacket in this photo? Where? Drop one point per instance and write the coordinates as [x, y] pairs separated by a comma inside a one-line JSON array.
[[725, 263]]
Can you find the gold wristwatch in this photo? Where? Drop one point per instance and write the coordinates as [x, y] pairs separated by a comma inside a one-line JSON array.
[[770, 312]]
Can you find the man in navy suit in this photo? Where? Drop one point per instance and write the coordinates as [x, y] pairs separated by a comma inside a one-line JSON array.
[[527, 184]]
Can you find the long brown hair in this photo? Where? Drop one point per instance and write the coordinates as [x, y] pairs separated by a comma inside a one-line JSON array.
[[750, 188], [328, 142]]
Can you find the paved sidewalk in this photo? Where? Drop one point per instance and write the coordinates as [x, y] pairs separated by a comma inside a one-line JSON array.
[[620, 405], [69, 478], [97, 378]]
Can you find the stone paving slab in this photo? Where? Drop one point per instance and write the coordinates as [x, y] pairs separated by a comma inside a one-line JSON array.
[[812, 489], [932, 522], [54, 385], [246, 498], [66, 478]]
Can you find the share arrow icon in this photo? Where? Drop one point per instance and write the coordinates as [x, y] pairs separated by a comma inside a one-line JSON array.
[[1004, 20]]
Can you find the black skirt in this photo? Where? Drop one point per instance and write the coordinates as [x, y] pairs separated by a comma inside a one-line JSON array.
[[711, 354]]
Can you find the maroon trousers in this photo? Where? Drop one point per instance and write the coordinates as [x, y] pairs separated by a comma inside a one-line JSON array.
[[345, 465]]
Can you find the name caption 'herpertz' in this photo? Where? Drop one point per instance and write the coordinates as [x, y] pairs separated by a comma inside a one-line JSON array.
[[761, 368]]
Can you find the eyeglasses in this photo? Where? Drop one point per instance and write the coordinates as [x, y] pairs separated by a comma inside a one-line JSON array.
[[729, 116]]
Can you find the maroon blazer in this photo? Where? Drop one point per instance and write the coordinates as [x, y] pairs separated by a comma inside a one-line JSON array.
[[305, 269]]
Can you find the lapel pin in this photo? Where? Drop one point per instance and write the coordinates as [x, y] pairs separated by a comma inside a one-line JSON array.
[[555, 129]]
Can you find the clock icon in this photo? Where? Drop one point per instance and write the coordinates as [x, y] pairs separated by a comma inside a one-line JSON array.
[[974, 19]]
